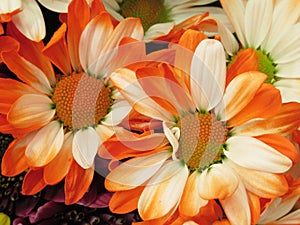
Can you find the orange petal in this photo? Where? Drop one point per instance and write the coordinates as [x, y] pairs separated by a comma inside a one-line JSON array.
[[57, 51], [191, 38], [245, 61], [96, 8], [31, 111], [7, 128], [281, 144], [7, 44], [265, 103], [284, 122], [125, 201], [14, 160], [76, 24], [33, 182], [59, 167], [31, 51], [255, 209], [77, 183], [27, 71], [10, 91], [191, 202]]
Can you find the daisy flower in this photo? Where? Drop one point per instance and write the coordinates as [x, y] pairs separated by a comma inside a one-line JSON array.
[[59, 120], [159, 17], [226, 143], [271, 29]]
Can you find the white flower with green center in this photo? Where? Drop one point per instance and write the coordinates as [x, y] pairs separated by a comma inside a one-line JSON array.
[[272, 29], [159, 16]]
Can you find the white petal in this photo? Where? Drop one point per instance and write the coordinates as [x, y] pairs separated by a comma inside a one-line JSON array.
[[8, 6], [288, 70], [163, 191], [236, 207], [277, 209], [254, 154], [208, 73], [292, 218], [30, 21], [171, 136], [45, 145], [258, 19], [286, 13], [289, 89], [288, 49], [93, 39], [135, 172], [59, 6], [118, 112], [85, 146]]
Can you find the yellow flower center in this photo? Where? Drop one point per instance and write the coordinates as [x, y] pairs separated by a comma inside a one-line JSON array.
[[201, 140], [81, 100], [150, 12]]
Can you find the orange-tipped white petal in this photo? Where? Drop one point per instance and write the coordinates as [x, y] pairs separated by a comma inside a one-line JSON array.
[[27, 72], [292, 218], [59, 6], [31, 111], [157, 30], [263, 184], [59, 167], [135, 172], [85, 146], [104, 132], [30, 21], [130, 88], [172, 136], [258, 19], [93, 39], [239, 92], [208, 73], [254, 154], [8, 6], [45, 145], [236, 207], [217, 182], [163, 191], [191, 202]]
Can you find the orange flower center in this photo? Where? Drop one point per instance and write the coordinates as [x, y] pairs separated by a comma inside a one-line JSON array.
[[201, 140], [81, 100]]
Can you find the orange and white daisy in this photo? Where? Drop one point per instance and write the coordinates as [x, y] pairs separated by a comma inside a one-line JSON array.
[[160, 17], [59, 120], [272, 30], [227, 144]]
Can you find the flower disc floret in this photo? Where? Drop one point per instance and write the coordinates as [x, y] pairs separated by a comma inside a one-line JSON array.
[[201, 140], [81, 100]]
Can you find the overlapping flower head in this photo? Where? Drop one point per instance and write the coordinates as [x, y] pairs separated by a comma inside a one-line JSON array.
[[268, 32], [60, 119], [190, 141], [227, 141]]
